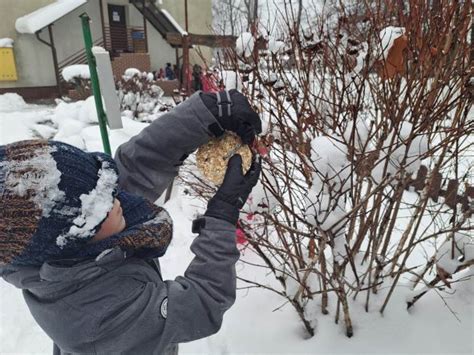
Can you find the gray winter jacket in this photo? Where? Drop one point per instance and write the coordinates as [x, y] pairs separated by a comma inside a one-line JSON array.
[[120, 304]]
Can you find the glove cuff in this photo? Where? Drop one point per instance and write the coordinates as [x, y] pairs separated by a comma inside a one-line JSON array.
[[224, 105], [210, 101], [220, 209], [219, 103]]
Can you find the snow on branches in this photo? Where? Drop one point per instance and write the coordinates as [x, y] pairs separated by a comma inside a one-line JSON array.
[[244, 44], [455, 252], [139, 95], [334, 214]]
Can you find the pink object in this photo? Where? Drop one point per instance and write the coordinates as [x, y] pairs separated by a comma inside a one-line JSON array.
[[209, 83], [262, 150], [240, 237], [161, 74]]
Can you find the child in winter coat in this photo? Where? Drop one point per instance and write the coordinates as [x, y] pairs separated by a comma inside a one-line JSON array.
[[80, 235]]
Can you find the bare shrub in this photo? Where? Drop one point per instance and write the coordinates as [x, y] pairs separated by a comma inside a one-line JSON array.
[[366, 169], [82, 87]]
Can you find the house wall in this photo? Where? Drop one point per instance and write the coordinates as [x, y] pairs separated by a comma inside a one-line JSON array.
[[199, 20], [134, 17], [67, 31], [160, 51], [25, 47], [15, 9], [34, 60]]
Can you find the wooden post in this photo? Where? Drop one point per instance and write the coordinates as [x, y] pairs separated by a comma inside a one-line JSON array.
[[179, 75], [187, 84], [102, 22], [55, 60], [186, 15], [144, 28]]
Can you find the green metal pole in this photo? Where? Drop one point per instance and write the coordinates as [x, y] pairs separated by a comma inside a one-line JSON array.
[[86, 31]]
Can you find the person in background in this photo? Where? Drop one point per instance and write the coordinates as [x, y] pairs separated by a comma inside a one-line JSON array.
[[197, 77], [169, 73], [210, 81], [161, 74]]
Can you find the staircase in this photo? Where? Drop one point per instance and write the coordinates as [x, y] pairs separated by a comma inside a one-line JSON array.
[[78, 57], [156, 17], [135, 55]]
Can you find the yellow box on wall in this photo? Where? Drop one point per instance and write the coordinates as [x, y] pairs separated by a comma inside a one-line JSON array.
[[7, 65]]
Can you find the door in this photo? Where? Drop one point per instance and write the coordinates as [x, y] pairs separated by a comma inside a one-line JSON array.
[[118, 28]]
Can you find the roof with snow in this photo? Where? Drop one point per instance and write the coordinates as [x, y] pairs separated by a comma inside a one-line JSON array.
[[46, 15]]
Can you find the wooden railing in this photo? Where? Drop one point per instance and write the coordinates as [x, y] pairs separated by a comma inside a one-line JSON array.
[[117, 40], [156, 18], [125, 39], [78, 57]]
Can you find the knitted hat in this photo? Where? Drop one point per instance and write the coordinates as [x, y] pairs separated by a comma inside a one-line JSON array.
[[54, 198]]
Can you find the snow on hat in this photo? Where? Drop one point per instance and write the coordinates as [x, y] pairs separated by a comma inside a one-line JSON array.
[[53, 199], [148, 231]]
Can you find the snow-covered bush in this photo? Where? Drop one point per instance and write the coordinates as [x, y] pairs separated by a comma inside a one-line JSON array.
[[354, 193], [139, 95], [78, 75]]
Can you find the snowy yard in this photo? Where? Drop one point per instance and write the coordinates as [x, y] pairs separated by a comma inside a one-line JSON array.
[[260, 321], [360, 230]]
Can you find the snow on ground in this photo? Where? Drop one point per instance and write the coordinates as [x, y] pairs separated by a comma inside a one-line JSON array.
[[18, 119], [260, 321]]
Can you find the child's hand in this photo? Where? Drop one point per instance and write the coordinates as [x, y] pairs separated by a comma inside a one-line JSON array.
[[234, 114], [234, 191]]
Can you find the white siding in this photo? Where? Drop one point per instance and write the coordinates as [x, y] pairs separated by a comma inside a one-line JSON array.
[[34, 60], [160, 51], [68, 30]]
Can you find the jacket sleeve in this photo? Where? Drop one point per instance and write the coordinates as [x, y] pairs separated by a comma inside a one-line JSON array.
[[148, 162], [188, 308]]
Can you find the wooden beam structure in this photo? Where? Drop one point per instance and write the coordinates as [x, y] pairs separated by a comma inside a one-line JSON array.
[[213, 41]]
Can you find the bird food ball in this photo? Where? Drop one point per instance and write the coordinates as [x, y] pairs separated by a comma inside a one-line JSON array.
[[212, 158]]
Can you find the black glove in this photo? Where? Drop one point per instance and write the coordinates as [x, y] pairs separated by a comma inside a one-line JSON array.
[[234, 113], [234, 191]]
